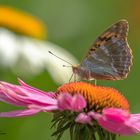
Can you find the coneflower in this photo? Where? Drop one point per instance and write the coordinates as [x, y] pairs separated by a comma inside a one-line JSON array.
[[89, 112]]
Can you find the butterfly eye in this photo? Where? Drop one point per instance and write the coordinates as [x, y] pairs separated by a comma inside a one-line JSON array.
[[115, 36]]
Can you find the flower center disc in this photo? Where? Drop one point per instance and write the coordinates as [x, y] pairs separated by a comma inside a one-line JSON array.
[[97, 97]]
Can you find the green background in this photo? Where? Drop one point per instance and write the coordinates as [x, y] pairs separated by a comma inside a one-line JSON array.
[[74, 25]]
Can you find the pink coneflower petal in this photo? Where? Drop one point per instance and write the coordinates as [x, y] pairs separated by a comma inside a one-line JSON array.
[[78, 102], [27, 92], [23, 95], [47, 108], [6, 95], [19, 113], [83, 118], [134, 121], [64, 101], [35, 90], [50, 108], [68, 102], [45, 99], [119, 121]]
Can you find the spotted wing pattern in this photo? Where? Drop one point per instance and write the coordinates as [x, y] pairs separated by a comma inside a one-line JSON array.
[[110, 57]]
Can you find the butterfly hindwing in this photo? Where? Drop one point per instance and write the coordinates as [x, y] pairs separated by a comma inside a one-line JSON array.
[[110, 57]]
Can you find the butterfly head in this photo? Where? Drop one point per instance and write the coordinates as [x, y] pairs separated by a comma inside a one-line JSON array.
[[81, 72], [76, 69]]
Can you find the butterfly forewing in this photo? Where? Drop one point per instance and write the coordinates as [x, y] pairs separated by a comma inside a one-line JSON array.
[[110, 57]]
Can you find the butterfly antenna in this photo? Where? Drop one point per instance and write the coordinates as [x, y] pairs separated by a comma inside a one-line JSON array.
[[59, 58]]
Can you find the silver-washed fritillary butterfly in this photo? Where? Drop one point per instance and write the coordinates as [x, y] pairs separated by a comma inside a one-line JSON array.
[[109, 58]]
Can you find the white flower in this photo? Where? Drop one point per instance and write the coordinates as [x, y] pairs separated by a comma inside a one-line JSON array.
[[29, 57]]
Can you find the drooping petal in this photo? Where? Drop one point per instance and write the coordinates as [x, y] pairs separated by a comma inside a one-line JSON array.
[[83, 118], [28, 97], [23, 95], [119, 121], [35, 90], [134, 122], [25, 89], [78, 103], [19, 113], [14, 95], [48, 108], [35, 96], [8, 96]]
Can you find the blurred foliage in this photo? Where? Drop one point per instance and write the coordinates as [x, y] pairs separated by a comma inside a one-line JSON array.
[[74, 25]]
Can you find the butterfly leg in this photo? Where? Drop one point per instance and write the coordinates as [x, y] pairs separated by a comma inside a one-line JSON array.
[[70, 77], [74, 77], [95, 82]]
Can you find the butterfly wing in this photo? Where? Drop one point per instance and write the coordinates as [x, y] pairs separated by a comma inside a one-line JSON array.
[[110, 57]]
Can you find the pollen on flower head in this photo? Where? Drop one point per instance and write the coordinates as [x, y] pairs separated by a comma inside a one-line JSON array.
[[21, 22], [97, 97]]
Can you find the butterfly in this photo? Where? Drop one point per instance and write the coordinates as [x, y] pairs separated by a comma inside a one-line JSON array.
[[109, 58]]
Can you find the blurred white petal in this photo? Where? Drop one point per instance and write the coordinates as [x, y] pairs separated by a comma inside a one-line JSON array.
[[55, 65], [9, 48], [30, 57]]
